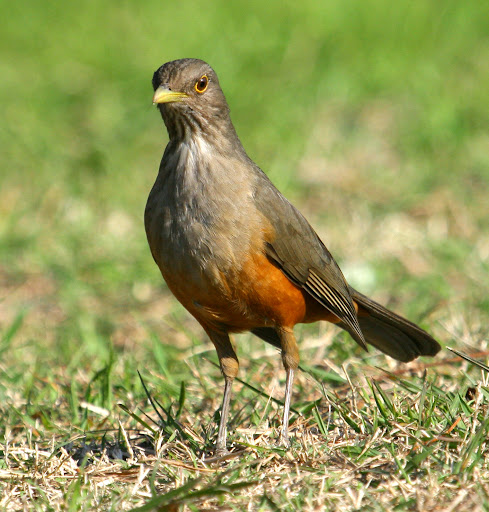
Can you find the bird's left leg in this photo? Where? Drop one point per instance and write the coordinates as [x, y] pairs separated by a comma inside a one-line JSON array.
[[290, 358]]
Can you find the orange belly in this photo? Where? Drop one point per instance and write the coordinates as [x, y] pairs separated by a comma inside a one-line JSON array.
[[259, 295], [271, 294]]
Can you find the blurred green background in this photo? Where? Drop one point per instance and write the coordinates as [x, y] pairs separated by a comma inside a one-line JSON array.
[[372, 116]]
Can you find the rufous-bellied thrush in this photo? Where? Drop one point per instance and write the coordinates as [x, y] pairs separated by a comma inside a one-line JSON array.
[[236, 253]]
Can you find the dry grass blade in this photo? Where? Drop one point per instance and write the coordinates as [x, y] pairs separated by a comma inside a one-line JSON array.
[[465, 356], [188, 493]]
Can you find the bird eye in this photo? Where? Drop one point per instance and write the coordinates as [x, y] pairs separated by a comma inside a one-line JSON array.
[[201, 84]]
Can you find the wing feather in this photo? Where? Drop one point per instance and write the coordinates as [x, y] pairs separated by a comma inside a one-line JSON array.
[[298, 251]]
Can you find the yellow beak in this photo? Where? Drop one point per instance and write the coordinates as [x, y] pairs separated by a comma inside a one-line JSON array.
[[165, 95]]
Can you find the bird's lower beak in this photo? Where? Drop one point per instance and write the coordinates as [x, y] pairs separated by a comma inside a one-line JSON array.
[[165, 95]]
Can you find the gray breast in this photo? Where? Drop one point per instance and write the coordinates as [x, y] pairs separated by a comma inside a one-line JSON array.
[[202, 209]]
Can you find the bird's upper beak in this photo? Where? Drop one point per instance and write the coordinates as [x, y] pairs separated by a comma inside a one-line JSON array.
[[165, 95]]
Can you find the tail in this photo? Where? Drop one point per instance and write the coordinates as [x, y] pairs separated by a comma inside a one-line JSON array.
[[384, 329], [391, 333]]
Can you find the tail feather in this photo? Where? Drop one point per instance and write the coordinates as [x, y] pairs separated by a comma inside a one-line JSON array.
[[385, 330], [390, 333]]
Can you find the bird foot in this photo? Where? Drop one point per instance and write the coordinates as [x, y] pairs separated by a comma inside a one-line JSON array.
[[221, 452], [283, 440]]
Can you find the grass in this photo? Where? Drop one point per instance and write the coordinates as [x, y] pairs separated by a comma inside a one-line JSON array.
[[372, 117]]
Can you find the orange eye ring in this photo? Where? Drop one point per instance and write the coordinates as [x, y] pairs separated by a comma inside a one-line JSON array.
[[201, 84]]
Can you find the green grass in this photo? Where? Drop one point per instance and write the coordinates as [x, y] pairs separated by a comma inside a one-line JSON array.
[[373, 118]]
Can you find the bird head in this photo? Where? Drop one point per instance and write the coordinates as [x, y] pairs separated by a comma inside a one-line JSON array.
[[189, 97]]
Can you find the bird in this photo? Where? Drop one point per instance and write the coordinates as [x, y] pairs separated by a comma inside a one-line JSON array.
[[236, 253]]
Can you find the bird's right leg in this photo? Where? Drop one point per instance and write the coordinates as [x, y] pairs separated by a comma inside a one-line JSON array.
[[229, 367]]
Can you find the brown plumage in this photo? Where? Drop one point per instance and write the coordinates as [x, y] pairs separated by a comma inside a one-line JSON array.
[[235, 252]]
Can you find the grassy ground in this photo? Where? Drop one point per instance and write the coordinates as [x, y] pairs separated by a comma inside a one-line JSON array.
[[373, 118]]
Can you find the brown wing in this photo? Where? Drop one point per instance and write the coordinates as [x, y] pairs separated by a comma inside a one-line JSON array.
[[304, 259]]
